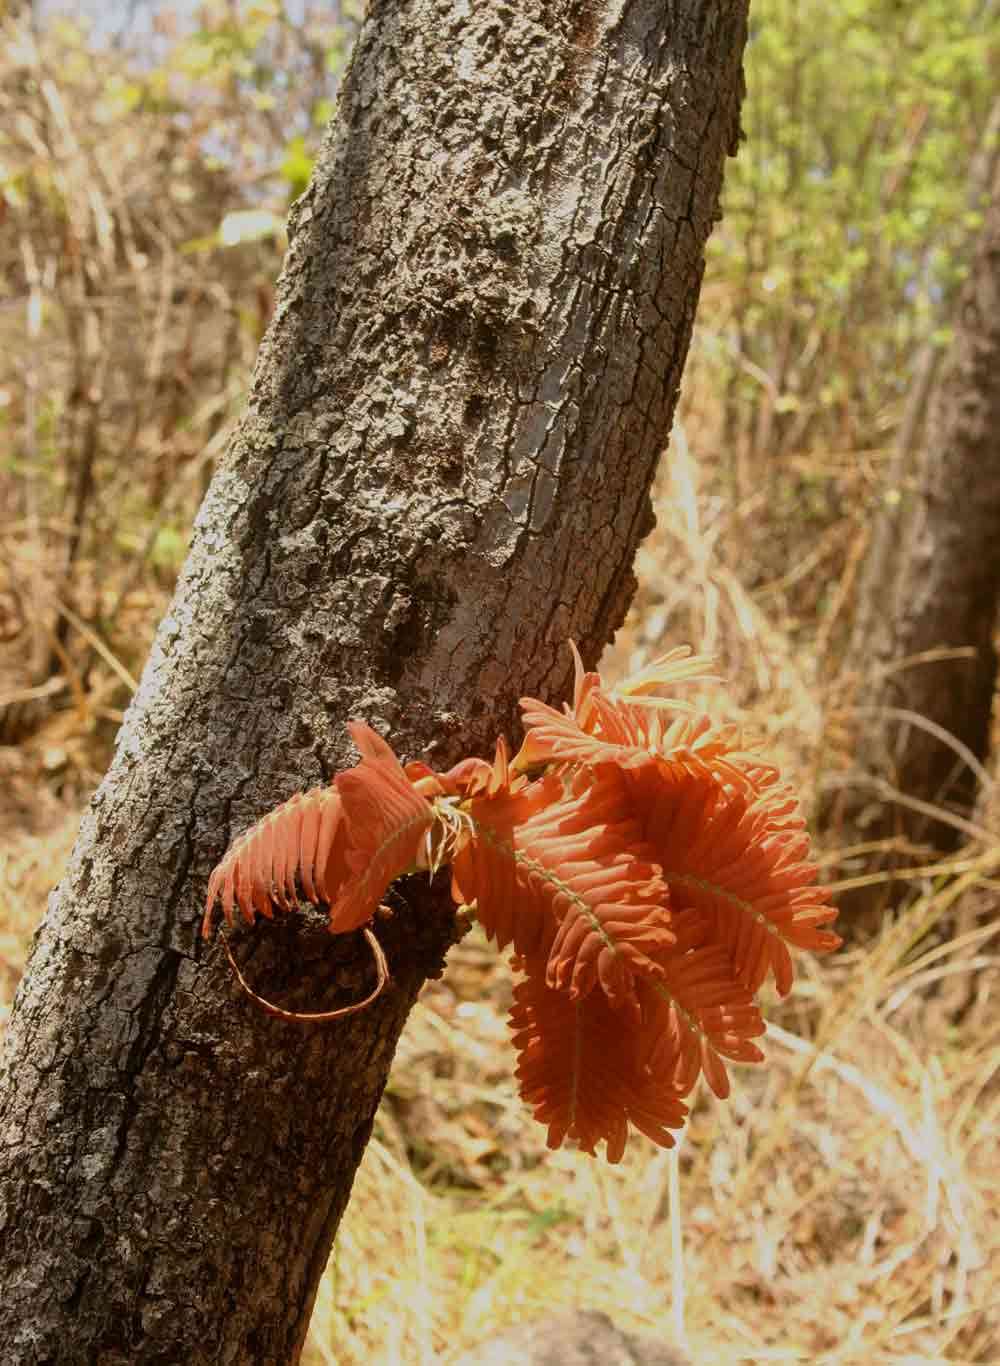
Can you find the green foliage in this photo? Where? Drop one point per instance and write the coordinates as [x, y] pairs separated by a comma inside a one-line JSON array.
[[848, 210], [297, 166], [252, 59]]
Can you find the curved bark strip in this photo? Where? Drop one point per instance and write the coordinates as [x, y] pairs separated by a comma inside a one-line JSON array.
[[442, 473]]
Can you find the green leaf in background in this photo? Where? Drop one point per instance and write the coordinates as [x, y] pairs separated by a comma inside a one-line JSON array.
[[297, 166], [322, 113]]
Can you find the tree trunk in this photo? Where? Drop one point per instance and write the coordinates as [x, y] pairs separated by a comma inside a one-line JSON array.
[[442, 474], [923, 648]]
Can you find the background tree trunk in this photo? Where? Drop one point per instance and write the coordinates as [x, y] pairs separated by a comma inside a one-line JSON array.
[[442, 474], [931, 587]]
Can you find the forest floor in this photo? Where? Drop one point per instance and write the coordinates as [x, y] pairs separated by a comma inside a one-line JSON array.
[[839, 1207]]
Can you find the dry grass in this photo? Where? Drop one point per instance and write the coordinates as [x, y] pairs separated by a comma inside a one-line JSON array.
[[840, 1207]]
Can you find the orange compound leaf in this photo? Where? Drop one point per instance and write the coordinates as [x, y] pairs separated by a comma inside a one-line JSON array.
[[679, 665], [680, 745], [584, 684], [697, 1016], [745, 866], [560, 869], [583, 1074], [339, 846], [633, 734], [554, 736], [385, 818], [300, 843], [546, 728], [486, 868], [615, 923]]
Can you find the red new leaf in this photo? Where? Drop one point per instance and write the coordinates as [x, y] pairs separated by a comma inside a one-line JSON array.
[[340, 845], [698, 1015], [583, 1074], [560, 870], [744, 865]]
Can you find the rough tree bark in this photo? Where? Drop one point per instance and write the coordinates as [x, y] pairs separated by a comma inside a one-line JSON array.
[[931, 587], [442, 474]]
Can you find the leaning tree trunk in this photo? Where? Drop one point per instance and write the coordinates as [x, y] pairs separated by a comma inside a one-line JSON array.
[[442, 474], [923, 648]]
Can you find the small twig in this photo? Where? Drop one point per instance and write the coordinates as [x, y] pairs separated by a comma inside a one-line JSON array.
[[320, 1016]]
